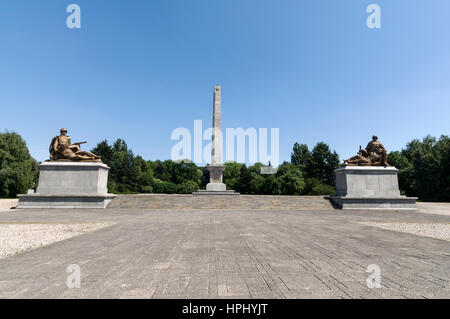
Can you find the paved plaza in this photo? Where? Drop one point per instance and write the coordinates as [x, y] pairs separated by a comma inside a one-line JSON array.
[[204, 253]]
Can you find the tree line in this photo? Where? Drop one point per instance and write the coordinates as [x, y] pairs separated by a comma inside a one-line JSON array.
[[424, 168], [424, 171], [309, 173]]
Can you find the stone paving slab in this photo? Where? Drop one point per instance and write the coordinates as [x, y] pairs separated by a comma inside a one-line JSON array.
[[6, 204], [230, 254], [434, 208]]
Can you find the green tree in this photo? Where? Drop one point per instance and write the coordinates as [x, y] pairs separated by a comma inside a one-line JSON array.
[[310, 183], [406, 173], [290, 179], [300, 156], [322, 164], [187, 187], [323, 189], [18, 170], [185, 171], [244, 180], [162, 170], [205, 177], [256, 179], [443, 150], [146, 177], [126, 169], [163, 187], [431, 169], [120, 146], [232, 174], [271, 185], [104, 150]]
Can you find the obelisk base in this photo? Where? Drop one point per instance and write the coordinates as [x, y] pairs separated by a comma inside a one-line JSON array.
[[216, 185]]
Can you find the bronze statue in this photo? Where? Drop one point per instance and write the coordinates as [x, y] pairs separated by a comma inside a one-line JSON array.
[[375, 154], [61, 148]]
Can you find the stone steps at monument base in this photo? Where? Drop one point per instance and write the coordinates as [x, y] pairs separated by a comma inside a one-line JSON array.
[[188, 201]]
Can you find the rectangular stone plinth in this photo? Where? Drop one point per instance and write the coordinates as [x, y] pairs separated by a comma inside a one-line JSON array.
[[73, 178], [64, 201], [382, 203], [376, 181], [370, 187], [66, 184]]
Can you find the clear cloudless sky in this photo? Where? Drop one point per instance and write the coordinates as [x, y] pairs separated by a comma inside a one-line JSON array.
[[139, 69]]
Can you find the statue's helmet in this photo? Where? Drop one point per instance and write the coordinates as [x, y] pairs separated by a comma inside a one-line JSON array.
[[63, 130], [375, 137]]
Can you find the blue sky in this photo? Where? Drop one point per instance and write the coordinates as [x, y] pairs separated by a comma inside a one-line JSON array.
[[139, 69]]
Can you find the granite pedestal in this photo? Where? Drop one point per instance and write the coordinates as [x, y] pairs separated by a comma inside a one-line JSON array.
[[370, 187], [69, 185]]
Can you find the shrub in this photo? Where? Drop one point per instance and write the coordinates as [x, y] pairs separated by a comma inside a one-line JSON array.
[[187, 187], [323, 189], [163, 187], [146, 189]]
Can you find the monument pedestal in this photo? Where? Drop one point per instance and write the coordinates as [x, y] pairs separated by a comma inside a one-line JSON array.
[[216, 179], [216, 185], [370, 187], [69, 185]]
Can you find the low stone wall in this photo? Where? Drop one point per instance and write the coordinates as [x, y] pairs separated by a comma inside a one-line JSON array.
[[263, 202]]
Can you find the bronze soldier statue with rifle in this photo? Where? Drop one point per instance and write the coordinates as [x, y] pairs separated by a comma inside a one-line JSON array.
[[61, 148], [374, 154]]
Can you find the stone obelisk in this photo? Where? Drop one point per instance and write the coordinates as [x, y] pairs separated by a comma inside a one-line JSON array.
[[216, 185], [216, 167]]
